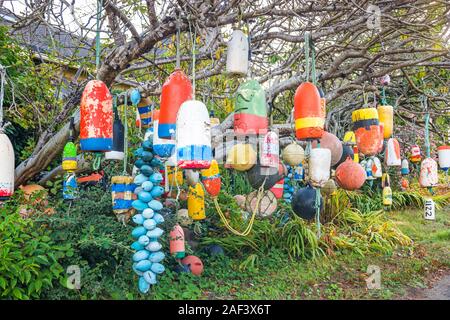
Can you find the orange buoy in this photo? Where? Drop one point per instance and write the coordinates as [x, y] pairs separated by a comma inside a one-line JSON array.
[[194, 264], [176, 90], [211, 179], [369, 134], [350, 175], [177, 248], [308, 113], [96, 117]]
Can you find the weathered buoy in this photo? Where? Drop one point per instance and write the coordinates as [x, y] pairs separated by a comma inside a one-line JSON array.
[[194, 264], [319, 166], [211, 179], [331, 142], [405, 167], [309, 118], [7, 167], [387, 196], [144, 108], [304, 202], [116, 152], [267, 204], [196, 202], [386, 118], [176, 239], [416, 155], [329, 188], [350, 175], [250, 113], [258, 175], [392, 155], [122, 193], [241, 157], [96, 118], [444, 157], [293, 154], [428, 176], [193, 136], [176, 90], [237, 54], [270, 150], [162, 147], [367, 131]]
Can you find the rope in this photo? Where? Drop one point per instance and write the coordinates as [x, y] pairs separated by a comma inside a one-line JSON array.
[[249, 227], [97, 37], [178, 43], [307, 56], [2, 93], [193, 57], [125, 136], [317, 206], [383, 96], [313, 65]]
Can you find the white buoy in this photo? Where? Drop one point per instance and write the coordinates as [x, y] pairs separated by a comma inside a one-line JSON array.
[[237, 55], [6, 168], [319, 166], [193, 136], [429, 212], [393, 153]]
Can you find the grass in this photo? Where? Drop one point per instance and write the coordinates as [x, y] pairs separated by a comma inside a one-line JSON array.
[[342, 276]]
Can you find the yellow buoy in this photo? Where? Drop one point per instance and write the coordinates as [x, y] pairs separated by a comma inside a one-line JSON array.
[[241, 157], [174, 176], [386, 117], [349, 138], [196, 202]]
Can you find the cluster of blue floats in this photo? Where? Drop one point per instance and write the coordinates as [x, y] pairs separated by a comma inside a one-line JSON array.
[[148, 256], [291, 181]]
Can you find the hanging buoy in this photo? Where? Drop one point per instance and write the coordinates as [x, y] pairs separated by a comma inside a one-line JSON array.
[[196, 202], [174, 176], [250, 113], [323, 103], [192, 177], [69, 161], [176, 90], [237, 54], [7, 167], [350, 175], [241, 157], [194, 264], [293, 154], [393, 153], [444, 157], [117, 152], [70, 186], [387, 196], [319, 166], [193, 134], [350, 138], [331, 142], [122, 193], [177, 248], [309, 118], [367, 131], [278, 189], [329, 188], [258, 175], [386, 118], [267, 204], [355, 154], [347, 151], [144, 108], [162, 147], [270, 150], [428, 173], [211, 179], [415, 154], [405, 167], [304, 202], [96, 118]]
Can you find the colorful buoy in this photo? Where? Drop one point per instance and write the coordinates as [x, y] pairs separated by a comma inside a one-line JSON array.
[[309, 117]]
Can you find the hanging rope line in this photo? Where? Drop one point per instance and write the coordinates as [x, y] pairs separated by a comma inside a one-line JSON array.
[[97, 37], [178, 63], [317, 206], [193, 40], [307, 56], [249, 227], [2, 93], [125, 136]]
